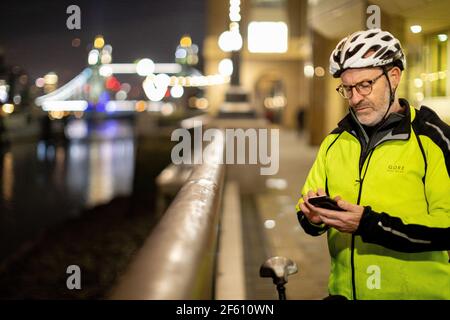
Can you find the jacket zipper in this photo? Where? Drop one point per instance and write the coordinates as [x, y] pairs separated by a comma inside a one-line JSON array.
[[366, 152], [361, 180]]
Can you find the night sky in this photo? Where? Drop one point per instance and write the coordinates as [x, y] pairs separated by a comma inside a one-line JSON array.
[[33, 34]]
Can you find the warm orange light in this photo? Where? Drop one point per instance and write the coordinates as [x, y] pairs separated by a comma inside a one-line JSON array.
[[202, 103], [8, 108], [99, 42], [141, 106], [186, 41]]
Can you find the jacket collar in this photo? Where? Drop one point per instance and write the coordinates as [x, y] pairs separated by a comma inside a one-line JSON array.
[[397, 126]]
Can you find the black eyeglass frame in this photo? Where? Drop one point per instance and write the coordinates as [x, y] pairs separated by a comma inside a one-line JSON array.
[[342, 89]]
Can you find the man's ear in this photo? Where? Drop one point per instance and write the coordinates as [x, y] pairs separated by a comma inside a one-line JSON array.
[[395, 76]]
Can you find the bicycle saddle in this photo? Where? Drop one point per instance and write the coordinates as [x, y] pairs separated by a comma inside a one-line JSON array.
[[278, 268]]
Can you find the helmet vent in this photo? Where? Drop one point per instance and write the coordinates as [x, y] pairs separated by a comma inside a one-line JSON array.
[[351, 53], [336, 58], [354, 38], [388, 55], [370, 35], [379, 53], [372, 50]]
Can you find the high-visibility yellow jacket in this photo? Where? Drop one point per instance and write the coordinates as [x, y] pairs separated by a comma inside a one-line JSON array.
[[401, 176]]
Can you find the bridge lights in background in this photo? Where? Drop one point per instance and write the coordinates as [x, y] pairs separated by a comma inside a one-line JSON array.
[[40, 82], [180, 54], [50, 82], [76, 42], [8, 108], [51, 78], [106, 54], [145, 67], [186, 52], [4, 88], [112, 84], [140, 106], [186, 41], [99, 42], [17, 99], [121, 95], [93, 57], [199, 103], [106, 58], [167, 109], [176, 91], [101, 53], [105, 71], [155, 87]]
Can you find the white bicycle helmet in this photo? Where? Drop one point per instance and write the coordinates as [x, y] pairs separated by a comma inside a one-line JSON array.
[[351, 52]]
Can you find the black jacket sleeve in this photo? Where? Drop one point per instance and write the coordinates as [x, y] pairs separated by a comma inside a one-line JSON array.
[[392, 233], [310, 228]]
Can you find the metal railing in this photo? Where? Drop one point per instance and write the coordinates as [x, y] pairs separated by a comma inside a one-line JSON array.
[[177, 261]]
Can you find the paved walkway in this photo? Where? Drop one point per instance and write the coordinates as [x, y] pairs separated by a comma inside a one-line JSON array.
[[269, 227], [287, 238]]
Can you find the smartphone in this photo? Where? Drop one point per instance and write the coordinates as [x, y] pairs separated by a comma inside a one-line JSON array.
[[325, 202]]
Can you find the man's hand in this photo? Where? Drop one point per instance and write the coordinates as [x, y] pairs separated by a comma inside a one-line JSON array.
[[309, 210], [344, 221]]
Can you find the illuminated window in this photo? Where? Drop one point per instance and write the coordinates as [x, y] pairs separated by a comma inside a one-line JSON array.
[[268, 31], [267, 37]]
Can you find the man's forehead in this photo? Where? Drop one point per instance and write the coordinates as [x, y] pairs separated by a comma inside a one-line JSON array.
[[360, 74]]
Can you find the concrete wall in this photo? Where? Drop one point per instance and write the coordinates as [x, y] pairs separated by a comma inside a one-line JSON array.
[[326, 105]]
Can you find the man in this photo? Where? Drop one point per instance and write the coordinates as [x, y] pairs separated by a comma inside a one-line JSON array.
[[387, 165]]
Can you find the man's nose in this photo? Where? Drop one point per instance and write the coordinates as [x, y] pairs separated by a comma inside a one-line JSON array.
[[356, 97]]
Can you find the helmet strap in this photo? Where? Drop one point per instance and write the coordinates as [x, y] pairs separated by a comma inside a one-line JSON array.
[[391, 94]]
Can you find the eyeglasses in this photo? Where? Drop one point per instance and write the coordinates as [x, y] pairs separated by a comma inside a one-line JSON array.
[[364, 88]]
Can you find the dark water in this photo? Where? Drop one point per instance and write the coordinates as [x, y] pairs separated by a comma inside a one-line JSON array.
[[88, 202], [43, 184]]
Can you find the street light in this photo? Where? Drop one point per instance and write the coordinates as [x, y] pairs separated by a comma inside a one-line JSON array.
[[442, 37], [236, 98], [230, 41], [226, 67], [416, 28]]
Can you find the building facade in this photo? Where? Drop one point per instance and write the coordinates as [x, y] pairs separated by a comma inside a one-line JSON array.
[[293, 82]]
